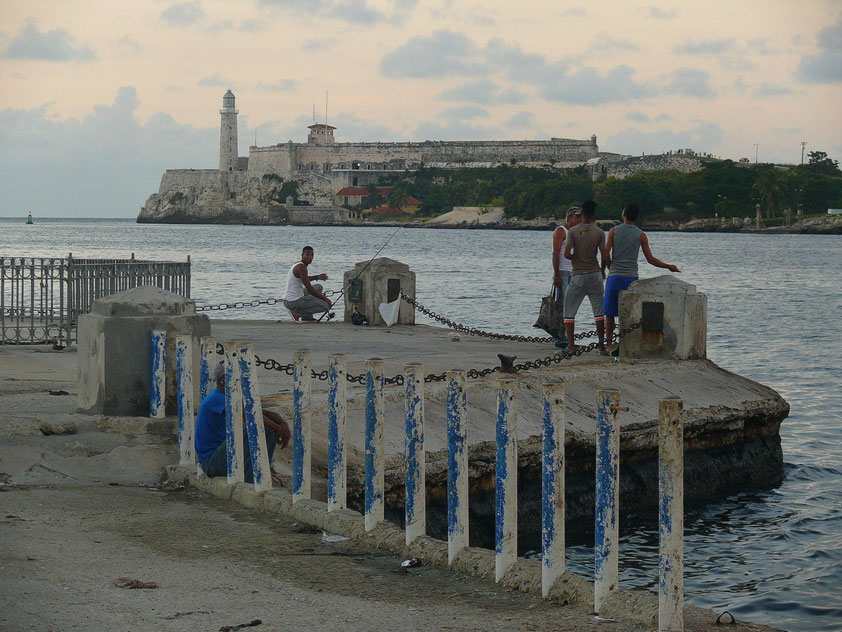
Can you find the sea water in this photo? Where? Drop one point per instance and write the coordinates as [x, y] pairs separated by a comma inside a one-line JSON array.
[[774, 303]]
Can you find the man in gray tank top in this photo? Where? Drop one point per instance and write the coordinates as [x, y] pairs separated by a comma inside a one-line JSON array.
[[624, 243]]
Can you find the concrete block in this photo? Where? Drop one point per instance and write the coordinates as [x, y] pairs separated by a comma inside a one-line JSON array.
[[311, 512], [673, 317], [475, 562], [386, 536], [247, 496], [431, 551], [382, 281], [345, 522], [114, 349], [216, 486], [637, 607], [524, 575], [570, 588], [278, 501]]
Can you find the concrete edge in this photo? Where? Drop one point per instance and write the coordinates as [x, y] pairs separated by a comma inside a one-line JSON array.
[[632, 607]]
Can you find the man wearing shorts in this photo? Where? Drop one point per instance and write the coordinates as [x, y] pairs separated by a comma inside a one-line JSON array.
[[624, 243], [583, 242], [562, 267], [302, 298]]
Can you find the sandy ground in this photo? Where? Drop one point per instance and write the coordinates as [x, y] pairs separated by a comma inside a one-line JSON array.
[[219, 565]]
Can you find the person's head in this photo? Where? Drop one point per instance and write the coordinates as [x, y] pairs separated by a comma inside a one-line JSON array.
[[574, 216], [219, 376], [307, 254], [588, 210], [631, 212]]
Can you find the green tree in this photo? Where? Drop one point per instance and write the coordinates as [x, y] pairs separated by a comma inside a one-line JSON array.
[[771, 188]]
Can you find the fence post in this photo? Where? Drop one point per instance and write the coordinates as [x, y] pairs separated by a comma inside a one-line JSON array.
[[671, 516], [186, 416], [337, 496], [457, 465], [374, 509], [606, 534], [552, 488], [415, 482], [157, 384], [207, 362], [253, 411], [233, 413], [505, 519], [301, 426]]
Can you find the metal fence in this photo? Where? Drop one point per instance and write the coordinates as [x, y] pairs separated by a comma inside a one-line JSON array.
[[41, 299]]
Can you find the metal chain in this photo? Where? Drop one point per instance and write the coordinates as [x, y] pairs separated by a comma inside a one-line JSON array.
[[243, 304], [274, 365]]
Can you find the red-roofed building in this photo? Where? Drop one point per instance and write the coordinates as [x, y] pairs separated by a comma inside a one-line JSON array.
[[356, 195]]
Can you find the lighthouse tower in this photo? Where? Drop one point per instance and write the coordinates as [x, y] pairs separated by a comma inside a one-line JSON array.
[[228, 134]]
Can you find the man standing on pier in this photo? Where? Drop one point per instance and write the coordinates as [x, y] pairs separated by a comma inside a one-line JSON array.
[[301, 298], [583, 242], [562, 267], [624, 243]]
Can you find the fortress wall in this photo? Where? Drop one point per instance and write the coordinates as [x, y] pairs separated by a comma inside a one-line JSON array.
[[276, 159], [631, 166]]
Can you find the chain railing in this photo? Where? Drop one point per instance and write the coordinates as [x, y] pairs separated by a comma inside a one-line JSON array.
[[245, 304]]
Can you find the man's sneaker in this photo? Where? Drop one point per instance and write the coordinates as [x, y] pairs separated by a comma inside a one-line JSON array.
[[603, 351], [561, 343]]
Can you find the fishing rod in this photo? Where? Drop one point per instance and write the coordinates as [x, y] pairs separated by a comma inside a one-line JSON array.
[[368, 263]]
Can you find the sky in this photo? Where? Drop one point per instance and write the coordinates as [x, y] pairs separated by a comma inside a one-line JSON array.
[[100, 97]]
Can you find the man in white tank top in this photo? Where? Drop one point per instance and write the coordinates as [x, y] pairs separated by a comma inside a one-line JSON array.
[[302, 298], [563, 267]]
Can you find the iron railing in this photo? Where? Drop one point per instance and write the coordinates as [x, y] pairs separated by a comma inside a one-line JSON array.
[[42, 298]]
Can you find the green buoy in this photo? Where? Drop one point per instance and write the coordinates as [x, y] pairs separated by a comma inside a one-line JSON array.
[[29, 218]]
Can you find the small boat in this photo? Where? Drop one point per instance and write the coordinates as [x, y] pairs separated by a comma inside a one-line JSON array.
[[29, 218]]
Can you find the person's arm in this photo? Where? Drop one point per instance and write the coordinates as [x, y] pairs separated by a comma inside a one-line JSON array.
[[647, 252], [318, 277], [558, 239], [606, 258], [274, 421], [300, 272], [568, 249]]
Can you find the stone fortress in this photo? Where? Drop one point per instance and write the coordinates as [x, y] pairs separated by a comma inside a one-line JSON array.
[[245, 189]]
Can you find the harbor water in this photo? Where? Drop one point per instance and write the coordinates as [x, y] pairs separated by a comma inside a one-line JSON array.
[[774, 303]]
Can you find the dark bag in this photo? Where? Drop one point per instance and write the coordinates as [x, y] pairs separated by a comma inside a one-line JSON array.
[[551, 315]]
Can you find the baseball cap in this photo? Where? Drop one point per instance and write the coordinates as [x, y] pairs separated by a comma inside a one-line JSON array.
[[218, 371], [574, 210]]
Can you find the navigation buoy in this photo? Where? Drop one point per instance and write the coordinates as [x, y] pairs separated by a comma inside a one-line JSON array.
[[29, 218]]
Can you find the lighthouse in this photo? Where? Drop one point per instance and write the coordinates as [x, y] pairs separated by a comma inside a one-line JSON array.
[[228, 134]]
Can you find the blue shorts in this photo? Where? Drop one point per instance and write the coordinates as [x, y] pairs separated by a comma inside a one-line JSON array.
[[613, 286]]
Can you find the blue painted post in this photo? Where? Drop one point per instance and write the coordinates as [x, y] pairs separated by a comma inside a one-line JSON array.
[[336, 450], [186, 416], [301, 425], [415, 483], [457, 465], [207, 361], [158, 375], [552, 488], [606, 534], [374, 508], [253, 411], [505, 519], [671, 516], [233, 413]]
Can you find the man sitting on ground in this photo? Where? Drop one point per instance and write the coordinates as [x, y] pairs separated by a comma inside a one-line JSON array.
[[302, 298], [624, 243], [211, 451]]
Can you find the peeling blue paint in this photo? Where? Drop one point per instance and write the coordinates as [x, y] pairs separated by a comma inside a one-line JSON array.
[[181, 394], [204, 373], [607, 470], [455, 404], [230, 441], [372, 385], [297, 431], [335, 442], [414, 442], [157, 373], [502, 473], [255, 448], [548, 485]]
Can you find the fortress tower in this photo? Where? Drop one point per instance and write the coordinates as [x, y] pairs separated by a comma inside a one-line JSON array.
[[228, 134]]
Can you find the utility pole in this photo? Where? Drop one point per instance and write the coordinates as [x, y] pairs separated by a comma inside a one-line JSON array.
[[803, 145], [756, 149]]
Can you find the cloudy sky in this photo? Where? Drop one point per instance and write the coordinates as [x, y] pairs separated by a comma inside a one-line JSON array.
[[100, 97]]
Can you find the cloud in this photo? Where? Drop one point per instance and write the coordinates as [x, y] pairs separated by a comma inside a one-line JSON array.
[[482, 91], [705, 47], [183, 14], [608, 44], [825, 66], [690, 82], [455, 130], [521, 120], [55, 45], [463, 113], [663, 117], [663, 14], [767, 89], [587, 87], [575, 12], [281, 85], [215, 80], [127, 44], [252, 26], [318, 44], [354, 11], [442, 53], [638, 116], [704, 138]]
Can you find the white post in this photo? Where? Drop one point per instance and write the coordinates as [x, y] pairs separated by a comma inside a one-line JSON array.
[[253, 411], [158, 374], [374, 484], [301, 426], [233, 414], [552, 488], [207, 361], [606, 533], [186, 416], [336, 449], [457, 465], [671, 516], [505, 519], [415, 483]]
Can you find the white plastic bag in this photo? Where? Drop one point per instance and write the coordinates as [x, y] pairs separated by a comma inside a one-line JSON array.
[[390, 311]]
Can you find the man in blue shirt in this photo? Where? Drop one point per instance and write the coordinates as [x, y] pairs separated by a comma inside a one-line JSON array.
[[210, 432]]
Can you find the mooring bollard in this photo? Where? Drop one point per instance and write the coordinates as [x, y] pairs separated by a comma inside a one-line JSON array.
[[233, 413], [253, 412], [336, 450], [606, 534], [552, 488], [301, 425], [505, 519], [415, 482], [671, 516], [207, 361], [158, 375], [184, 389], [374, 508], [457, 465]]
